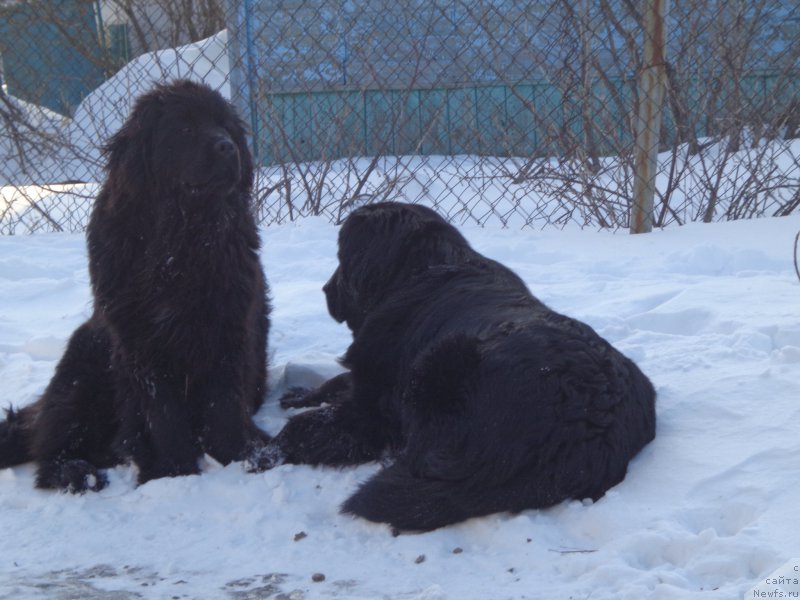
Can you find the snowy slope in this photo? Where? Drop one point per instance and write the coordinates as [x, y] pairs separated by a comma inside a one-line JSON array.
[[710, 312]]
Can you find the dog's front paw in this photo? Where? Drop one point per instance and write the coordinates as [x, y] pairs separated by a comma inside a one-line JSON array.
[[75, 476], [264, 458], [295, 397]]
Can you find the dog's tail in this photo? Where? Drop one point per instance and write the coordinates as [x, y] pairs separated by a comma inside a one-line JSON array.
[[409, 503], [16, 434]]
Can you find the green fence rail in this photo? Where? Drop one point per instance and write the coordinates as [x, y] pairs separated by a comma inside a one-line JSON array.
[[535, 119]]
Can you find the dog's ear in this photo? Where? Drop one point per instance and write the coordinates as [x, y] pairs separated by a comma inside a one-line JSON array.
[[127, 152], [238, 132]]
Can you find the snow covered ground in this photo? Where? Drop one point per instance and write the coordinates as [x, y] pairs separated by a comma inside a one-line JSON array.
[[709, 509]]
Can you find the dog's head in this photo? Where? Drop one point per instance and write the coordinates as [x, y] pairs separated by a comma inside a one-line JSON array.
[[181, 138], [383, 245]]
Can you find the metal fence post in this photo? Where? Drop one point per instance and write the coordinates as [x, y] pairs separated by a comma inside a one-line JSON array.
[[238, 20], [648, 123]]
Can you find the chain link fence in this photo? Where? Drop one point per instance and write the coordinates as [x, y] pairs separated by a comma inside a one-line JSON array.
[[521, 113]]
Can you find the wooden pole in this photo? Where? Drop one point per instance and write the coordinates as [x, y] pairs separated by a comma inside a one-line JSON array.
[[652, 83]]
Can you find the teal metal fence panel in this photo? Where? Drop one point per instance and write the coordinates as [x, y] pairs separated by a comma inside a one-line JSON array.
[[494, 120]]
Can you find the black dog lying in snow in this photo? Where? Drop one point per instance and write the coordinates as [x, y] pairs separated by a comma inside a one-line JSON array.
[[485, 399], [172, 362]]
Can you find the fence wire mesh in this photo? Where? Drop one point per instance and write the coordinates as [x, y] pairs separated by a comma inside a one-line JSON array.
[[522, 113]]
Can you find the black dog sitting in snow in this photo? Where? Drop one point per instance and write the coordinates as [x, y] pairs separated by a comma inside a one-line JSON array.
[[484, 399], [172, 362]]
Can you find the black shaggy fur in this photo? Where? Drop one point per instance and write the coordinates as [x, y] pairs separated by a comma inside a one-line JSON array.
[[172, 362], [481, 397]]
